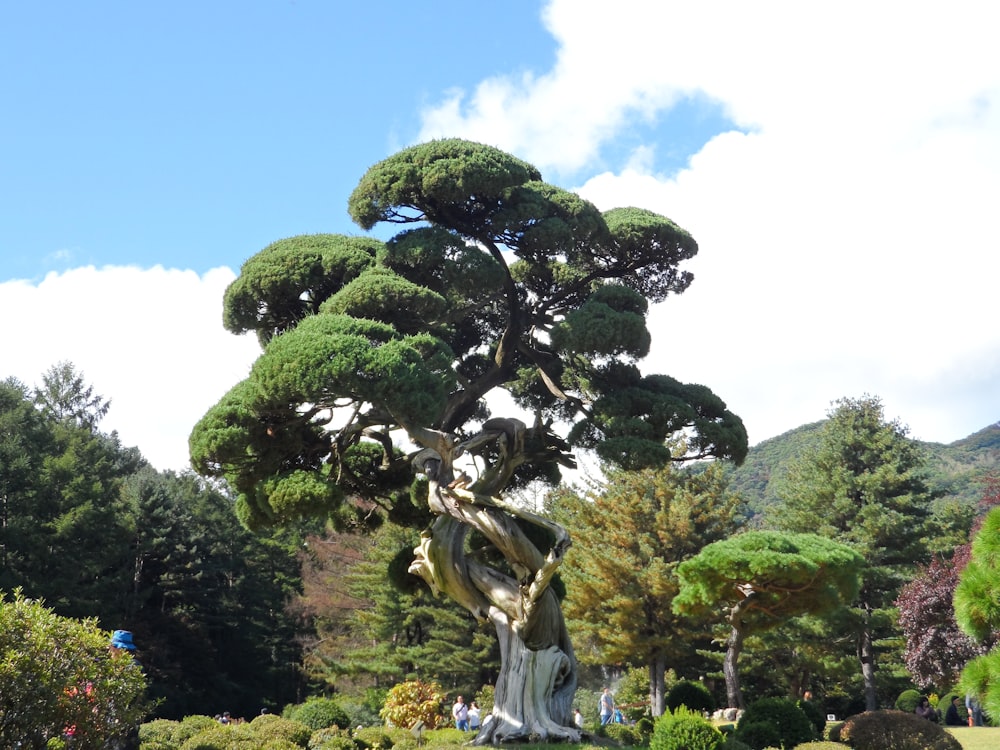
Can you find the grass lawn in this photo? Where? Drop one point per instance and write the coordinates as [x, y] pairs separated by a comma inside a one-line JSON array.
[[977, 738]]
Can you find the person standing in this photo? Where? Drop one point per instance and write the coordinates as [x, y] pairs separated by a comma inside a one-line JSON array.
[[607, 706], [461, 713], [474, 717], [951, 717], [122, 642], [578, 718], [974, 710]]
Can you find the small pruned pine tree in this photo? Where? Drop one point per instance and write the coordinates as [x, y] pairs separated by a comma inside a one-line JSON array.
[[761, 579]]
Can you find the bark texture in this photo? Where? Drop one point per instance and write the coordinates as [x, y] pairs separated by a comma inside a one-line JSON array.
[[538, 669]]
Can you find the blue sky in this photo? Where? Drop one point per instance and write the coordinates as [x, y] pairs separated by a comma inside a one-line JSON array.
[[839, 165]]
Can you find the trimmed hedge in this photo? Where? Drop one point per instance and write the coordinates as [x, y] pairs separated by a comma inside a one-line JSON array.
[[684, 730], [894, 730], [690, 694], [791, 723]]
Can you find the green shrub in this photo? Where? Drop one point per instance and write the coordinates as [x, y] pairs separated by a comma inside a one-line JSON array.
[[223, 737], [623, 734], [318, 712], [271, 727], [758, 735], [792, 725], [731, 743], [645, 728], [412, 701], [332, 738], [908, 700], [683, 729], [159, 730], [192, 725], [373, 737], [820, 746], [691, 694], [895, 730], [448, 736], [57, 672], [815, 715]]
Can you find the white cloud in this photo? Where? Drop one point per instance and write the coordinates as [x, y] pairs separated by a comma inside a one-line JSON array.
[[847, 240], [150, 340]]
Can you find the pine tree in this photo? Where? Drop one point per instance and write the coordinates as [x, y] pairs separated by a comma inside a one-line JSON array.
[[864, 486], [629, 536]]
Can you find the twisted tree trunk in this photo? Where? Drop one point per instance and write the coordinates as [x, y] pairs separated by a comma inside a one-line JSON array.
[[538, 671]]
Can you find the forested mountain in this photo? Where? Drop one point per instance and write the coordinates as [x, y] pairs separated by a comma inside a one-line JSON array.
[[954, 470]]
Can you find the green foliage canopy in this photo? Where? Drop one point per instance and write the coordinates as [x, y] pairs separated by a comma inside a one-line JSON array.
[[504, 281], [763, 578]]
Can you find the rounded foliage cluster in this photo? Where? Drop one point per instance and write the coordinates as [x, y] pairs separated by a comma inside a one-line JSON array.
[[690, 694], [331, 738], [682, 729], [374, 738], [412, 701], [269, 727], [908, 700], [895, 730], [318, 713], [758, 735], [790, 723]]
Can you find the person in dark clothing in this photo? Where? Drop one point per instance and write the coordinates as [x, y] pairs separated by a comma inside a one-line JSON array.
[[926, 711], [951, 717]]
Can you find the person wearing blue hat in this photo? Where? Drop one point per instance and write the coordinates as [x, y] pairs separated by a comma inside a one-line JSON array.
[[122, 640]]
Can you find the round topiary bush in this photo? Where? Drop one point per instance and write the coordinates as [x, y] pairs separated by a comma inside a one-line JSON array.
[[684, 730], [791, 723], [908, 700], [373, 737], [270, 727], [318, 713], [158, 730], [691, 694], [758, 735], [895, 730]]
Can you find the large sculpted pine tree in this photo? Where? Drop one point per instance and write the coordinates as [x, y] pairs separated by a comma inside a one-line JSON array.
[[370, 394]]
